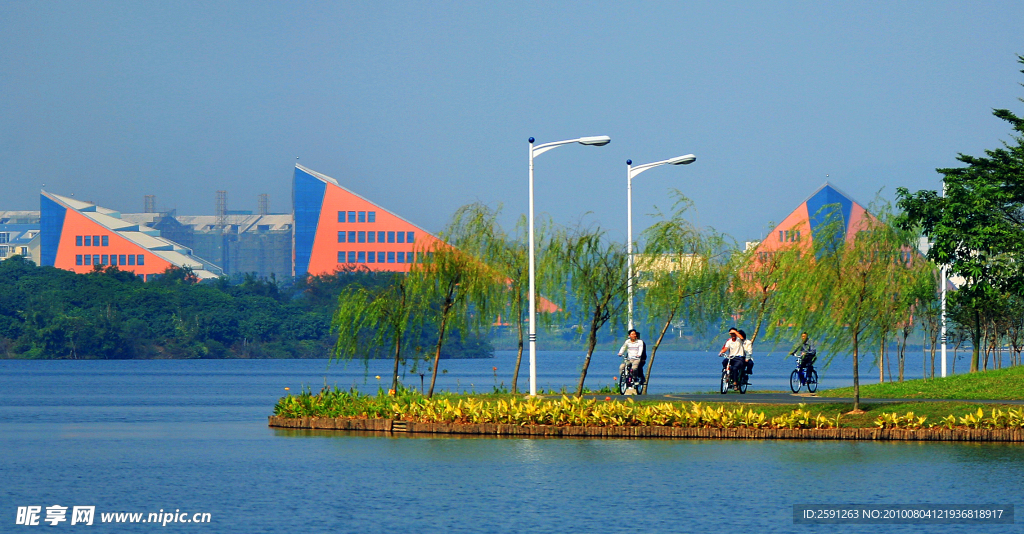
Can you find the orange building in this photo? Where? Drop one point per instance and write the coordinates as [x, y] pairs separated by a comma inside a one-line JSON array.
[[800, 227], [78, 236], [336, 229]]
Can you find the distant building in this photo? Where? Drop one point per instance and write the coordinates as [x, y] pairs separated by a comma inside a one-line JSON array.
[[806, 221], [336, 229], [237, 243], [19, 231], [78, 236]]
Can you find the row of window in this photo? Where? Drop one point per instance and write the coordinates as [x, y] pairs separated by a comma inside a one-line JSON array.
[[789, 235], [357, 216], [376, 237], [377, 257], [92, 241], [112, 259]]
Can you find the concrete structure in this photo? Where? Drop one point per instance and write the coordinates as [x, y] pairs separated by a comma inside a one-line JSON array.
[[78, 236], [246, 243], [336, 229]]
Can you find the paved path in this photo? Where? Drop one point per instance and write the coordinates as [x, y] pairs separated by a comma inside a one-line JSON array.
[[789, 398]]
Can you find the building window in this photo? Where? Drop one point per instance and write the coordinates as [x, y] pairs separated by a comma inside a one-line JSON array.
[[106, 241], [381, 258], [401, 257], [88, 240], [371, 237], [391, 257], [391, 237], [380, 237], [411, 238], [371, 216], [371, 257], [104, 259], [362, 216], [362, 237], [351, 256], [341, 216], [121, 259], [361, 257], [95, 240], [78, 240], [96, 259], [131, 259], [88, 259], [352, 237], [341, 237], [401, 237], [78, 259], [351, 216], [5, 237], [141, 260], [113, 259], [341, 254]]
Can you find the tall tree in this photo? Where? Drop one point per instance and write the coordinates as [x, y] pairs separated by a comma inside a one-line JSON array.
[[369, 317], [977, 226], [682, 275], [459, 289], [592, 273]]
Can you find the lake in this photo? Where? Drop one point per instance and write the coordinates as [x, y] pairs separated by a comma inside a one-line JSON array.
[[189, 437]]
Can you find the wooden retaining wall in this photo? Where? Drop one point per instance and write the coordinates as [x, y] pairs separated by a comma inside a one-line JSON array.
[[489, 429]]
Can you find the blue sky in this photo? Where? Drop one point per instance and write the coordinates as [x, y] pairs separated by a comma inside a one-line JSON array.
[[425, 106]]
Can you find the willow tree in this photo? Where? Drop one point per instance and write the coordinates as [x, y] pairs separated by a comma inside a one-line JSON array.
[[451, 277], [765, 288], [849, 282], [682, 275], [371, 317], [591, 273]]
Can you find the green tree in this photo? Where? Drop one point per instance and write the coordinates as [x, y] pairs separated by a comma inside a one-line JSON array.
[[459, 290], [589, 271], [681, 274], [371, 317], [977, 226]]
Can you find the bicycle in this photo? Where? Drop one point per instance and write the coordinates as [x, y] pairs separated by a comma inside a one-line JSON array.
[[803, 376], [727, 383], [629, 383]]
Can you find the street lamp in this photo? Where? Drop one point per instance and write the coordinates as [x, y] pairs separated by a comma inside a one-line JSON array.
[[599, 140], [632, 172], [944, 274]]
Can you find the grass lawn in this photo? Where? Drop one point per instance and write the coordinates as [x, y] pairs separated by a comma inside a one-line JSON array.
[[1001, 384]]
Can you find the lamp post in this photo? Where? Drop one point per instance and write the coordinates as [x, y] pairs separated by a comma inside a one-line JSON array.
[[599, 140], [945, 273], [632, 172]]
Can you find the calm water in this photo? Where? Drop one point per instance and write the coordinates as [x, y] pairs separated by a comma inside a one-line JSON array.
[[141, 436]]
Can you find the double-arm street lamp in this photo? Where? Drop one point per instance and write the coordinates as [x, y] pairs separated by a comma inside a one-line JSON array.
[[599, 140], [632, 172]]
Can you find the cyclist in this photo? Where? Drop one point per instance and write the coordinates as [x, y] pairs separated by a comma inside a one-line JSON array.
[[808, 353], [635, 351], [748, 355], [733, 351]]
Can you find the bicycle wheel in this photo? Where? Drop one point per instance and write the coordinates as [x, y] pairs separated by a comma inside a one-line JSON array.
[[743, 384], [794, 381], [812, 381], [623, 385], [724, 386]]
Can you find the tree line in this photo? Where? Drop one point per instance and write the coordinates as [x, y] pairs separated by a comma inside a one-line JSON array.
[[111, 314]]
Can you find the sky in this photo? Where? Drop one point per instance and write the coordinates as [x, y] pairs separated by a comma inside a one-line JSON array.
[[422, 107]]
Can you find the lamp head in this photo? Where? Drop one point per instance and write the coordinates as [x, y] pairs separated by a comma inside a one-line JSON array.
[[531, 139], [683, 160], [599, 140]]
